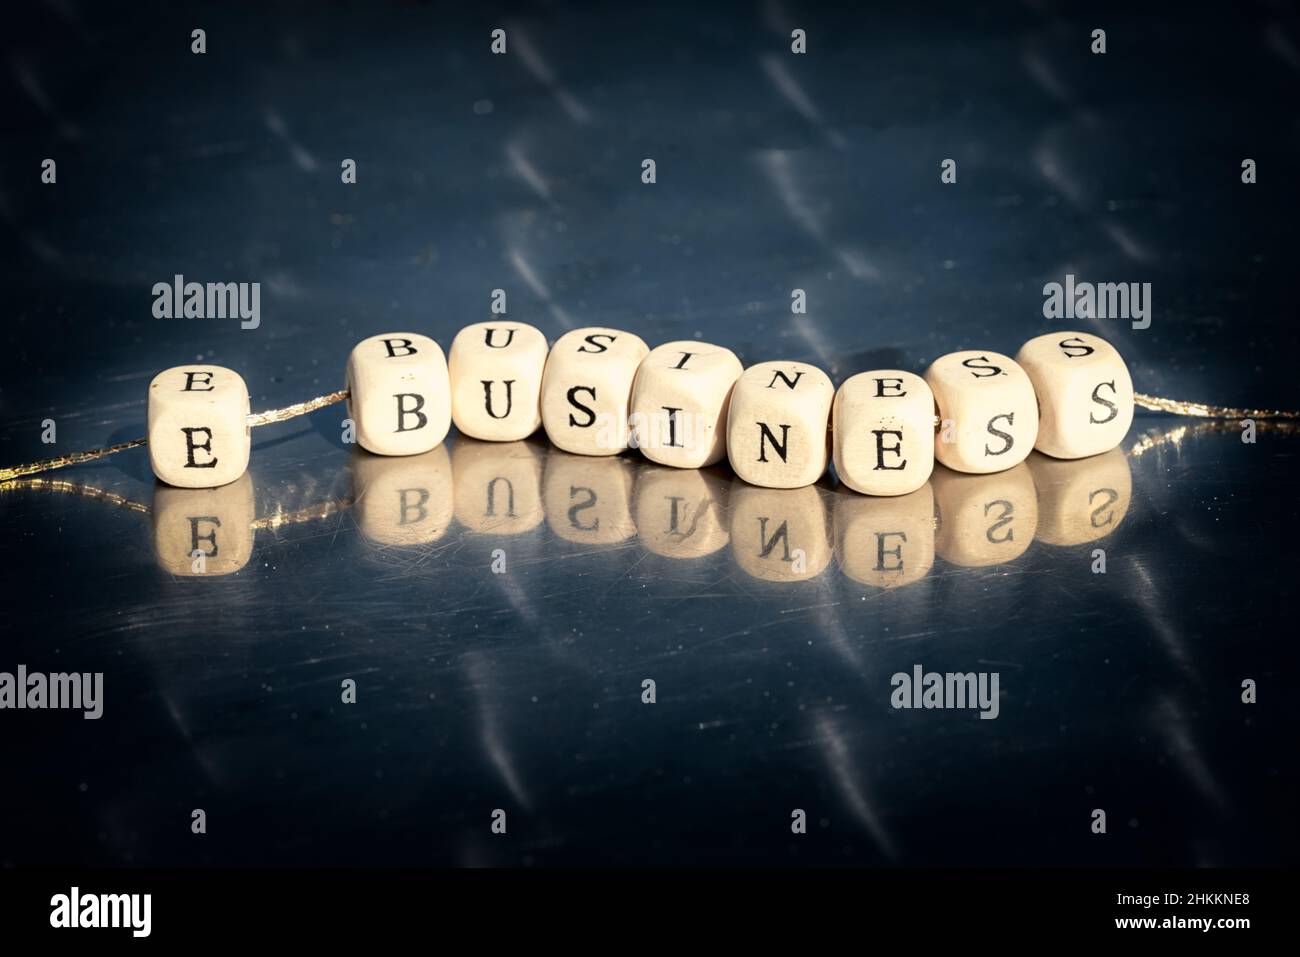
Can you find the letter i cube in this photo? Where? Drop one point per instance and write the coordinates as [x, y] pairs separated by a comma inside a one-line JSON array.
[[400, 396], [496, 380], [198, 428], [882, 429], [1085, 393], [587, 390], [776, 424], [988, 414], [679, 405]]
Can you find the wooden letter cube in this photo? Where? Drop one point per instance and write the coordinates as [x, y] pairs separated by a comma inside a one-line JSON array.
[[776, 424], [401, 394], [1085, 394], [987, 410], [198, 433], [882, 432], [587, 390], [679, 404], [496, 380]]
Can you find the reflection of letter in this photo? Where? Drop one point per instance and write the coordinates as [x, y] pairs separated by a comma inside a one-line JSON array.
[[885, 542], [681, 513], [218, 522], [772, 527], [984, 519], [589, 499], [402, 499], [1080, 500], [498, 488]]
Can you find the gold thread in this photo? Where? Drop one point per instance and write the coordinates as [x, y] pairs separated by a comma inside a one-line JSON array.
[[260, 418], [309, 513], [77, 488], [293, 411], [1204, 411]]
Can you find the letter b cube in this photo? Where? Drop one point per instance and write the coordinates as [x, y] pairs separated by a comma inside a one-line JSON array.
[[400, 396], [198, 429]]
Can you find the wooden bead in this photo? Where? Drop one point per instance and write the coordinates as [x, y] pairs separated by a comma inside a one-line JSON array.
[[777, 424], [496, 380], [984, 519], [1081, 501], [681, 513], [498, 488], [402, 500], [882, 432], [679, 403], [400, 393], [588, 500], [587, 390], [885, 542], [197, 423], [204, 531], [1085, 393], [779, 535], [987, 409]]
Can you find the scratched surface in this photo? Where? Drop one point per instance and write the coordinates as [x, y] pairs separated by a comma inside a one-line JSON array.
[[763, 617]]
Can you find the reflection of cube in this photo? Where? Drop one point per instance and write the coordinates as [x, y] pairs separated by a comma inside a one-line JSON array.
[[400, 395], [588, 500], [496, 380], [204, 531], [984, 519], [498, 488], [1080, 501], [776, 424], [679, 404], [1085, 394], [587, 390], [987, 410], [882, 431], [779, 535], [885, 542], [681, 513], [402, 500], [198, 429]]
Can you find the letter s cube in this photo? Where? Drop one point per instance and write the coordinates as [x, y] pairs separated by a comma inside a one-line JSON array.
[[1085, 393], [198, 429], [988, 414]]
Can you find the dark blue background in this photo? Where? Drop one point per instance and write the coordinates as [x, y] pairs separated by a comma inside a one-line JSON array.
[[523, 691]]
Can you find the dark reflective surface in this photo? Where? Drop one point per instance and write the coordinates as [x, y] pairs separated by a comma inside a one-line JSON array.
[[770, 622]]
